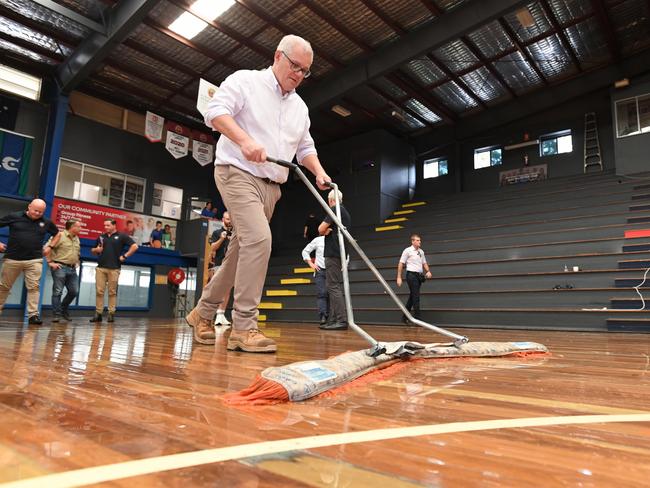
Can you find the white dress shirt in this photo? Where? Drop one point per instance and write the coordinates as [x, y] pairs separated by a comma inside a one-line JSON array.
[[414, 259], [279, 123], [317, 244]]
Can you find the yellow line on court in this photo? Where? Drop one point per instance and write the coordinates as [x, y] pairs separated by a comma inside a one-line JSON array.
[[140, 467]]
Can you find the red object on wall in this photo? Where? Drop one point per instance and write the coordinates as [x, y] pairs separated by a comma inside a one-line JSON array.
[[632, 234], [176, 276]]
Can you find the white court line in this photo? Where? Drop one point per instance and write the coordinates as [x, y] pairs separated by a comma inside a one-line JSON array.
[[128, 469]]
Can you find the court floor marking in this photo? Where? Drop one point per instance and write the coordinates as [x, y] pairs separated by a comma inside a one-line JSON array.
[[140, 467]]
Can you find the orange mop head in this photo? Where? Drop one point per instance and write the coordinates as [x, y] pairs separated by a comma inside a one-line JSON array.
[[305, 379]]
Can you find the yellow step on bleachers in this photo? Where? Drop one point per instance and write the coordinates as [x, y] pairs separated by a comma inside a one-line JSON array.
[[281, 293], [413, 204], [270, 306], [388, 227], [295, 281], [403, 212], [302, 270], [395, 220]]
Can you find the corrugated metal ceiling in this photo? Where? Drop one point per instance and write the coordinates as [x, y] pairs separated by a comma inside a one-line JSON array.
[[542, 44]]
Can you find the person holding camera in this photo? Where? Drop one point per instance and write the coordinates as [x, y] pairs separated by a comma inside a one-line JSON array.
[[417, 270], [219, 241]]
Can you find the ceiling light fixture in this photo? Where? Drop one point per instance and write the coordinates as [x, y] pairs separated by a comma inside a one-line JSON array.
[[19, 83], [342, 111], [398, 115], [622, 83], [189, 25], [525, 18]]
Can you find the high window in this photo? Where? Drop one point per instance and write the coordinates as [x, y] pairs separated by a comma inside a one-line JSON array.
[[487, 156], [556, 143], [633, 116], [432, 168]]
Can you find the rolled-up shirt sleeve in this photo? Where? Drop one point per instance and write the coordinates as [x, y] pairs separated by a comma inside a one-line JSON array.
[[306, 145], [308, 249], [403, 258], [228, 100]]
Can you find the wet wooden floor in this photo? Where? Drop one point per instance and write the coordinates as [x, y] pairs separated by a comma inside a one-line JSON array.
[[75, 395]]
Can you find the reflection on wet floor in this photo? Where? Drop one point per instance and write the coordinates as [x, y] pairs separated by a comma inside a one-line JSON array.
[[77, 394]]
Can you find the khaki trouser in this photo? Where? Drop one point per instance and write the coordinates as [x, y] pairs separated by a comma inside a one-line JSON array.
[[103, 276], [250, 202], [11, 269]]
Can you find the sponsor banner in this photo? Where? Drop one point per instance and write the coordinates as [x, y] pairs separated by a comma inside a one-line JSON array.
[[153, 127], [206, 92], [202, 153], [15, 155], [177, 145], [523, 175], [92, 217]]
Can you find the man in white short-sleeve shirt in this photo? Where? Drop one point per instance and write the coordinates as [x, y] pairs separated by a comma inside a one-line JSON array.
[[416, 270], [258, 113], [318, 265]]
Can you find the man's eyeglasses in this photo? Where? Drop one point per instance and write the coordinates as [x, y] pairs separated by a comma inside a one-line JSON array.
[[296, 68]]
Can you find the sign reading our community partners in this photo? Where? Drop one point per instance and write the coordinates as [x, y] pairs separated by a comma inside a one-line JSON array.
[[92, 218]]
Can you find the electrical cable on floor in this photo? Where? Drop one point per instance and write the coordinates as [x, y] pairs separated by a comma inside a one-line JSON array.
[[635, 288]]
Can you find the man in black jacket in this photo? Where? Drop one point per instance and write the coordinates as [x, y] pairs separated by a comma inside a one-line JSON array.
[[24, 253]]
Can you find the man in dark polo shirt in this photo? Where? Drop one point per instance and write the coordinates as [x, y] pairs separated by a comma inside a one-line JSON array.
[[338, 319], [110, 249], [24, 253]]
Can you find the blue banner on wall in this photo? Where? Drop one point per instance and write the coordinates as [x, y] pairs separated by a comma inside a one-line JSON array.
[[15, 155]]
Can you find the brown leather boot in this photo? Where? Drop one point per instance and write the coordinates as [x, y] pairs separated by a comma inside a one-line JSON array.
[[203, 330], [250, 341]]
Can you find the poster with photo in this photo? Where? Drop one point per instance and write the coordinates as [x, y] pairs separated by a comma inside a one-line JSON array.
[[92, 217]]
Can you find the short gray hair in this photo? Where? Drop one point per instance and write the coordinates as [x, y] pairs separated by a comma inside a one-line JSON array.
[[331, 196], [289, 42]]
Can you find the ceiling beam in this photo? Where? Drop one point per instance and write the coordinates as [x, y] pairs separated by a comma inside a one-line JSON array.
[[122, 19], [72, 15], [440, 31], [433, 8], [553, 96], [282, 27], [522, 50], [334, 22], [35, 48], [608, 29], [560, 32], [399, 105], [407, 84], [385, 18], [38, 26], [459, 81], [208, 53], [488, 65], [229, 31]]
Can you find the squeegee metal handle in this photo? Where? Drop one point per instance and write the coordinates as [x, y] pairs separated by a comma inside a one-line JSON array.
[[282, 162]]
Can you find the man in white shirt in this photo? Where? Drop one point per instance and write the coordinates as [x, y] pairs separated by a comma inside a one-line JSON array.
[[416, 265], [322, 298], [258, 113]]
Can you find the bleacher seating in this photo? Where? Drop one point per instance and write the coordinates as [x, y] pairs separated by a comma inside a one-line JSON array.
[[498, 259]]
